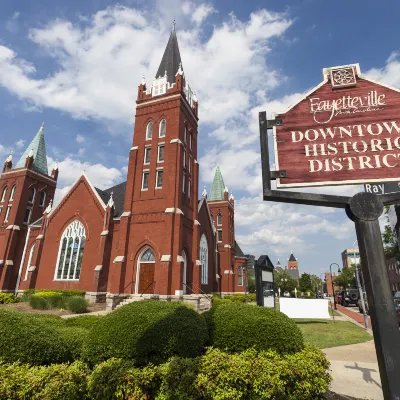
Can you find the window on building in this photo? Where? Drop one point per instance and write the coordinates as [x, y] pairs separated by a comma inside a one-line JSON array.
[[70, 253], [184, 184], [219, 235], [32, 193], [42, 199], [190, 141], [219, 219], [190, 165], [13, 192], [145, 180], [32, 251], [27, 215], [4, 194], [147, 154], [160, 156], [159, 178], [240, 276], [204, 259], [149, 131], [163, 128], [189, 188], [7, 214], [184, 158], [185, 135], [1, 210]]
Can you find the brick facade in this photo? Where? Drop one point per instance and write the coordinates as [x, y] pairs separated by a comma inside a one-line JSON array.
[[111, 230]]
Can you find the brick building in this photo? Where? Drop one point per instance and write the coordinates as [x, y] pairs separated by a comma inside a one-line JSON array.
[[148, 235]]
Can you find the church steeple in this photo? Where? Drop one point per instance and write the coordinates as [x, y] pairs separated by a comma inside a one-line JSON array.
[[218, 187], [37, 150], [171, 61]]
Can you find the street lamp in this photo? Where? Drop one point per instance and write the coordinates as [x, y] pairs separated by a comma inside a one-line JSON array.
[[360, 289], [333, 289]]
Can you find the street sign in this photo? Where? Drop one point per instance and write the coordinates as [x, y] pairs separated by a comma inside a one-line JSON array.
[[344, 131], [382, 188]]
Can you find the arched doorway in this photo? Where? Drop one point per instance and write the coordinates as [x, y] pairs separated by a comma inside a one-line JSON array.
[[184, 271], [204, 259], [145, 272]]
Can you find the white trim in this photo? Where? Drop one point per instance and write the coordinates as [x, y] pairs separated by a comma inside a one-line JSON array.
[[98, 267], [198, 262], [158, 152], [218, 276], [148, 178], [159, 128], [152, 130], [157, 172], [104, 233], [197, 222], [134, 148], [146, 148], [31, 268], [16, 228], [126, 214], [179, 259], [228, 246], [145, 102], [170, 210], [178, 211], [9, 262], [119, 259], [176, 141], [165, 257], [39, 237]]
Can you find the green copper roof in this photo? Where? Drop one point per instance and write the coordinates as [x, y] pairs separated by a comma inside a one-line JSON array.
[[218, 187], [38, 148]]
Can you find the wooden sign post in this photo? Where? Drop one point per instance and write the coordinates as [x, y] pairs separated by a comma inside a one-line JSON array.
[[345, 131]]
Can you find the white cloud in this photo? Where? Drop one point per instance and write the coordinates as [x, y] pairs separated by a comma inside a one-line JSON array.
[[81, 151], [202, 12], [390, 73], [80, 138], [12, 23], [20, 144], [3, 150]]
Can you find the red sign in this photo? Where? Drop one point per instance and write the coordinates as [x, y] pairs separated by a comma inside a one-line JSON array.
[[345, 131]]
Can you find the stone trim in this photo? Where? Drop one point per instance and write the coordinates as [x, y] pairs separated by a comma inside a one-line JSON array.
[[39, 237], [228, 246], [9, 262], [170, 210], [165, 257], [32, 268], [126, 214], [198, 262], [197, 222], [104, 233], [99, 267], [134, 148], [119, 259], [178, 211], [179, 259], [176, 141]]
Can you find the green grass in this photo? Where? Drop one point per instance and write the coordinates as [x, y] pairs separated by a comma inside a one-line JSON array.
[[324, 334]]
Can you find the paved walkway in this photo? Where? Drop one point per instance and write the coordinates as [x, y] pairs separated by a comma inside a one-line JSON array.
[[353, 314], [103, 312], [355, 370]]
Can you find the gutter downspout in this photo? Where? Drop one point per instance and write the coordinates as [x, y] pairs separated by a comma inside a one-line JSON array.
[[22, 261]]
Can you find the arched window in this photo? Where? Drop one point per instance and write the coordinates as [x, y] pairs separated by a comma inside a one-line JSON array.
[[32, 193], [204, 259], [70, 253], [145, 272], [3, 196], [185, 135], [12, 192], [29, 262], [240, 276], [163, 128], [42, 199], [219, 219], [149, 130]]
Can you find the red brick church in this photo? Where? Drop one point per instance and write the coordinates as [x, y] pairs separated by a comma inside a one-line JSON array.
[[149, 235]]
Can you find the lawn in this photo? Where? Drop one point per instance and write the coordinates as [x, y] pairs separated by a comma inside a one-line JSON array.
[[324, 334]]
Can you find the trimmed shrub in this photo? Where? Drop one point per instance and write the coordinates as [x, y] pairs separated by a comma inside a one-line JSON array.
[[7, 298], [72, 293], [85, 321], [77, 304], [49, 319], [55, 382], [252, 297], [45, 293], [73, 339], [39, 302], [147, 331], [236, 298], [237, 327], [217, 301], [266, 375], [30, 340]]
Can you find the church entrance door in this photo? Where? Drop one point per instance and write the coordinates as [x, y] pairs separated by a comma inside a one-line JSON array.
[[145, 272]]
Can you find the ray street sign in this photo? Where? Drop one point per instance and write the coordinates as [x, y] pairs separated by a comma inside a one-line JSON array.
[[345, 131]]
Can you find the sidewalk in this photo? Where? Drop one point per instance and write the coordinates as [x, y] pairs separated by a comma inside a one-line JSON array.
[[353, 314], [355, 371]]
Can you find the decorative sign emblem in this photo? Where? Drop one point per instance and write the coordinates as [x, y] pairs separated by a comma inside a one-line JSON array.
[[345, 136], [342, 77]]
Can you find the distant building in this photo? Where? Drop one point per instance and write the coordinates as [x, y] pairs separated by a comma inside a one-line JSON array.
[[278, 267], [293, 267], [328, 283], [349, 257]]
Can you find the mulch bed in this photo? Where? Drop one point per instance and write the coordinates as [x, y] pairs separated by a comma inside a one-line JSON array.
[[26, 308], [334, 396]]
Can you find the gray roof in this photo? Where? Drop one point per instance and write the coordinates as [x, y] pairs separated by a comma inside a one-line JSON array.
[[38, 148], [264, 261], [37, 223], [294, 273], [118, 196], [238, 250], [171, 59], [292, 257]]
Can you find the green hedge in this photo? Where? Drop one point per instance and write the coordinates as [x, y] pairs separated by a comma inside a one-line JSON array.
[[216, 375], [73, 339], [147, 331], [64, 293], [240, 297], [85, 321], [237, 327], [77, 304], [54, 382], [47, 300], [7, 298], [30, 340]]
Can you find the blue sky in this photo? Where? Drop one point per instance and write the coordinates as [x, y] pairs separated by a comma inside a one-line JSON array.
[[76, 66]]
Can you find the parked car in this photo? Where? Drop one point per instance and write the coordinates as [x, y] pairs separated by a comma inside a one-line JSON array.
[[349, 297], [396, 301]]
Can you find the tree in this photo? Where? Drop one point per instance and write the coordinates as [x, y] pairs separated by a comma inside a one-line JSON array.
[[251, 280], [346, 278], [305, 282], [284, 281], [316, 283], [390, 242]]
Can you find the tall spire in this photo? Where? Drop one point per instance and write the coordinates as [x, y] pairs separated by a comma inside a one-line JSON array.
[[218, 187], [171, 59], [38, 149]]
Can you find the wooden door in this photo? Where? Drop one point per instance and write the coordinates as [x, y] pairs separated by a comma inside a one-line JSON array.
[[146, 278]]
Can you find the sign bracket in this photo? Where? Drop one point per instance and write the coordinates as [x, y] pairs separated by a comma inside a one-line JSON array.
[[364, 209]]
